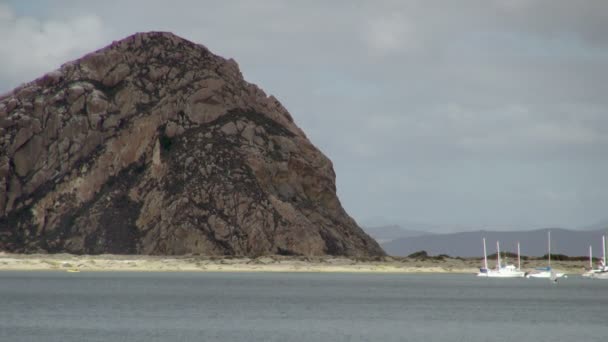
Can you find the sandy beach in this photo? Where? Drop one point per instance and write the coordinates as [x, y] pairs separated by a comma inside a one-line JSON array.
[[140, 263]]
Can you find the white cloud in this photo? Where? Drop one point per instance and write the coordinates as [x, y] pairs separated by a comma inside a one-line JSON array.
[[391, 33], [30, 46]]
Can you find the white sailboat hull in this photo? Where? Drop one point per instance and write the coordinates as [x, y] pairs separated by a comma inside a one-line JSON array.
[[602, 275], [596, 274], [496, 274], [508, 271], [545, 275]]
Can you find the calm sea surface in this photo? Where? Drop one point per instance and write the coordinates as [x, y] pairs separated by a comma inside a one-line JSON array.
[[66, 307]]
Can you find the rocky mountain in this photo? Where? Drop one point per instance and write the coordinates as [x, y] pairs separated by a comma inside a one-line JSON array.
[[468, 244], [154, 145]]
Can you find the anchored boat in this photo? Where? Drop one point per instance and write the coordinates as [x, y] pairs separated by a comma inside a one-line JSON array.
[[546, 272], [501, 271], [601, 272]]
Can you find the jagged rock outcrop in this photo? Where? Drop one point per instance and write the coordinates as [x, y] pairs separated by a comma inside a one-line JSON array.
[[154, 145]]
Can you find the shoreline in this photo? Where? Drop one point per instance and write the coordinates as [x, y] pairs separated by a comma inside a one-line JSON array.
[[269, 264]]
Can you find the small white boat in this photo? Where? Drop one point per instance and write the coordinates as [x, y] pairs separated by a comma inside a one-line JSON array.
[[506, 271], [546, 272], [600, 275], [601, 272]]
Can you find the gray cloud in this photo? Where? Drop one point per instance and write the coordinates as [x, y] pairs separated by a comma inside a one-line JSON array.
[[32, 46], [462, 112]]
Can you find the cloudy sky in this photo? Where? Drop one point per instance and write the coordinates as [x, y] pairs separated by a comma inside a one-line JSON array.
[[463, 114]]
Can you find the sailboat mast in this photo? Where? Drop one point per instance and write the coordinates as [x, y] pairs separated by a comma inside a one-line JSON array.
[[485, 254], [604, 248], [549, 247], [518, 257], [498, 254]]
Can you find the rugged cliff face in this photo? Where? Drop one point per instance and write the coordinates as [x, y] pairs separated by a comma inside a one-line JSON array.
[[154, 145]]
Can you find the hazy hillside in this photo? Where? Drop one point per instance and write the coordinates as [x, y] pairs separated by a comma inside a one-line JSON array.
[[468, 244], [388, 233], [603, 224]]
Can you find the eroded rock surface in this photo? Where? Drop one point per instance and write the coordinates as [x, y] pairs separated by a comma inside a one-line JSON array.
[[154, 145]]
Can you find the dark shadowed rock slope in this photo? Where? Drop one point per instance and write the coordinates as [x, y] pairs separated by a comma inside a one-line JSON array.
[[154, 145]]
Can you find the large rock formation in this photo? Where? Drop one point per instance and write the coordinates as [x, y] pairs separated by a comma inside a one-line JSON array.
[[154, 145]]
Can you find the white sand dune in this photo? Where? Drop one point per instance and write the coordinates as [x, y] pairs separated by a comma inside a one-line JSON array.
[[64, 262]]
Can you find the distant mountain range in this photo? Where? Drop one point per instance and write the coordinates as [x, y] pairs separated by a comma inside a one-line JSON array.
[[388, 233], [469, 244], [598, 225], [412, 226]]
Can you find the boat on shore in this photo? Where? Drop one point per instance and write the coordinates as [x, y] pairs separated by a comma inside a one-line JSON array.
[[501, 271]]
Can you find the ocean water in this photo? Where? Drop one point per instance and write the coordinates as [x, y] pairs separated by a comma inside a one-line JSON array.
[[66, 307]]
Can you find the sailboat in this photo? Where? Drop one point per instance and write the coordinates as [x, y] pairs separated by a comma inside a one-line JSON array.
[[506, 271], [601, 272], [546, 272]]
